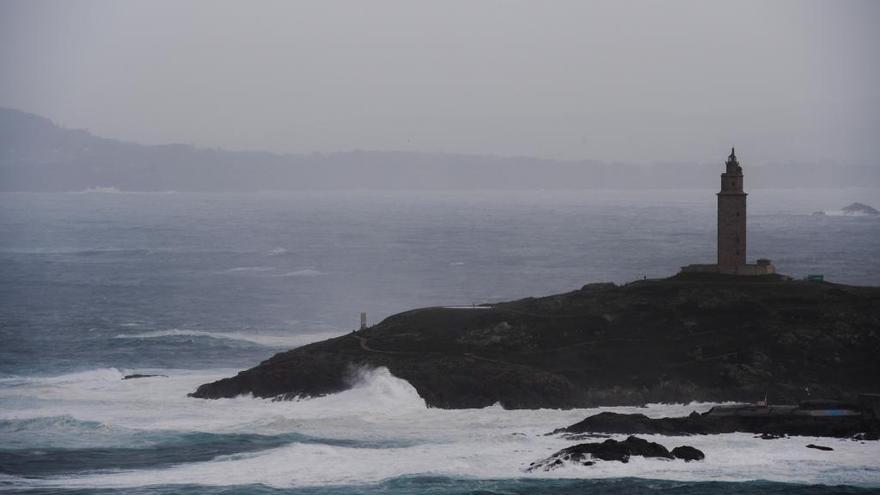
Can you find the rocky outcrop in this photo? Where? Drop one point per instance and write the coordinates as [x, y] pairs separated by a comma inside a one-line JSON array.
[[703, 424], [860, 209], [612, 450], [138, 375], [688, 453], [705, 337], [819, 447]]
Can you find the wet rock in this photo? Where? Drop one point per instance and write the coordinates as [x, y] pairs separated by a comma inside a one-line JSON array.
[[587, 454], [770, 436], [871, 435], [819, 447], [688, 453], [138, 375], [860, 209], [767, 426], [644, 448]]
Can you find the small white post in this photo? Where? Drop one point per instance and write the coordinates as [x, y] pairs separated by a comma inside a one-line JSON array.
[[363, 320]]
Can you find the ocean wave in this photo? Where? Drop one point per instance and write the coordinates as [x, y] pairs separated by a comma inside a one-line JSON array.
[[377, 430], [93, 376], [248, 269], [84, 252], [59, 432], [373, 390], [101, 396], [730, 458], [137, 450], [116, 190], [279, 251], [56, 423], [841, 213], [99, 189], [450, 485], [277, 341], [307, 272]]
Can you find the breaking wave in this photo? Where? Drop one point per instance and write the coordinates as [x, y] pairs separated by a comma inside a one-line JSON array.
[[146, 433], [249, 269], [841, 213], [308, 272]]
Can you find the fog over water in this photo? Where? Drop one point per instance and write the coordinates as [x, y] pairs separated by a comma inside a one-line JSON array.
[[605, 80], [194, 287], [188, 188], [109, 278]]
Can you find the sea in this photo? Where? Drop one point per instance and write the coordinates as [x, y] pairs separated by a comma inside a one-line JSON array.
[[192, 287]]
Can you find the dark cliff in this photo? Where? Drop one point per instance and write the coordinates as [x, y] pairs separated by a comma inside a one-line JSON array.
[[695, 337]]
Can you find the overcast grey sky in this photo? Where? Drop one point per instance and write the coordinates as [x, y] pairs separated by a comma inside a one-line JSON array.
[[631, 81]]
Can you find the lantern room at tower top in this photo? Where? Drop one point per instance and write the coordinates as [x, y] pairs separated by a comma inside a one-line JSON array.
[[732, 228]]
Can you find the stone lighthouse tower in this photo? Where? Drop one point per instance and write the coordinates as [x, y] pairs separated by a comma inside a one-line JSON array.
[[731, 218], [732, 229]]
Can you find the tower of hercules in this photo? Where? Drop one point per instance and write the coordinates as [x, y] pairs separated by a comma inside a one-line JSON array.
[[732, 228], [732, 216]]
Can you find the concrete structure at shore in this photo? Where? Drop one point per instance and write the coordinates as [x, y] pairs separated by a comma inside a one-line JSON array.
[[732, 228]]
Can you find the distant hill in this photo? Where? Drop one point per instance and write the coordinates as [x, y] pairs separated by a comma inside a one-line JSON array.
[[37, 155]]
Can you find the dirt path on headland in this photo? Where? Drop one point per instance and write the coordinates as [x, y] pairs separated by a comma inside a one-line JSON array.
[[365, 346]]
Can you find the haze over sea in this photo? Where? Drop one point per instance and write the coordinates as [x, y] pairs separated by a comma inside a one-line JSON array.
[[99, 284]]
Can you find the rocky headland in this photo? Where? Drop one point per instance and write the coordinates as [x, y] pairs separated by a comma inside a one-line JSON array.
[[769, 425], [691, 337], [860, 209], [613, 450]]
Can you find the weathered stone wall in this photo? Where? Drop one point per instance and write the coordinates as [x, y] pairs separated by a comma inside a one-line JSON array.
[[744, 269], [700, 269], [731, 228], [752, 269]]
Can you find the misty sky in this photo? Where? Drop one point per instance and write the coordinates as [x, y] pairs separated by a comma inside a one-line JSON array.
[[630, 81]]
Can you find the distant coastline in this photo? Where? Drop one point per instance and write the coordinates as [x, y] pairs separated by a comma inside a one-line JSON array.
[[37, 155]]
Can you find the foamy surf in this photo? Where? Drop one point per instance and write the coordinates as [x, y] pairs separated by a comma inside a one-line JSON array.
[[377, 430], [732, 458]]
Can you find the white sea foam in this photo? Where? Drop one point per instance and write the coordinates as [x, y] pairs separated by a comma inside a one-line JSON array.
[[306, 272], [277, 251], [841, 213], [268, 340], [100, 189], [736, 457], [249, 269], [161, 402], [116, 190], [482, 443]]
